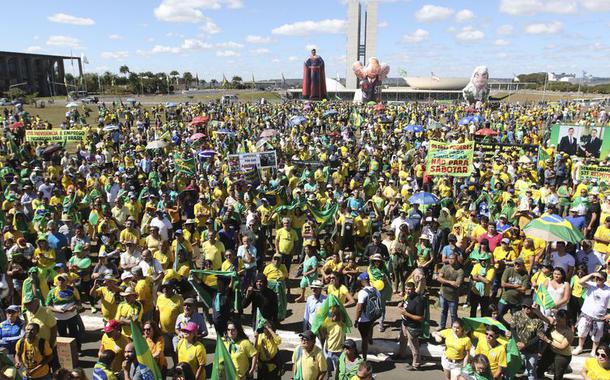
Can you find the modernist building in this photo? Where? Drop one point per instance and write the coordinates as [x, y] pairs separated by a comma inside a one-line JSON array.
[[39, 73], [358, 48]]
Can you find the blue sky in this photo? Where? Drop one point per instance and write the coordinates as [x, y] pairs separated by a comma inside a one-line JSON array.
[[270, 37]]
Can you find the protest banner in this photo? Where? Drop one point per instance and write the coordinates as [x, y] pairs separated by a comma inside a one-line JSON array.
[[450, 159], [249, 161], [54, 135], [492, 150], [590, 172]]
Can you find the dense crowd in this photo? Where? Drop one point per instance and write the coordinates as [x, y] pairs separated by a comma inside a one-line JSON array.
[[147, 222]]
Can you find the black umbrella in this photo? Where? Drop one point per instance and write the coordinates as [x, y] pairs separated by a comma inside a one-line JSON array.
[[52, 149]]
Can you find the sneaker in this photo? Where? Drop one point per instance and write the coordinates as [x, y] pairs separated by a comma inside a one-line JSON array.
[[93, 309], [576, 351]]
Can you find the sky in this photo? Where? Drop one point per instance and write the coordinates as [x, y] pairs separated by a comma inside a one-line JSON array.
[[268, 38]]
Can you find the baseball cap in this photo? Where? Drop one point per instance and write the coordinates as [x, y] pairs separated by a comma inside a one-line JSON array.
[[307, 334], [12, 309], [190, 327], [376, 257], [506, 240], [349, 343], [112, 325], [316, 284], [190, 301], [363, 276]]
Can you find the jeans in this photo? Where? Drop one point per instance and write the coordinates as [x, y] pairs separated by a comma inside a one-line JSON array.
[[448, 306], [559, 363], [531, 364]]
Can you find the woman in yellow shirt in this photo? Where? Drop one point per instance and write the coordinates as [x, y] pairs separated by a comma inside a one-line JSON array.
[[156, 344], [457, 347], [337, 289], [598, 368]]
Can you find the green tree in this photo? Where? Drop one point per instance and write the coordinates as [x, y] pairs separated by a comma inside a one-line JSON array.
[[124, 70], [187, 78]]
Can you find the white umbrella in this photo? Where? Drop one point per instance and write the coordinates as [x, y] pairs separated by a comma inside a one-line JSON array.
[[111, 127], [72, 105], [157, 144]]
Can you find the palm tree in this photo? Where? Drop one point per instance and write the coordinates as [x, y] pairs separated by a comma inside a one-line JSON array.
[[174, 74], [124, 70], [187, 77]]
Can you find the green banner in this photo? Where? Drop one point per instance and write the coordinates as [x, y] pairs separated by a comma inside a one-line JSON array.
[[599, 173], [54, 135], [450, 159]]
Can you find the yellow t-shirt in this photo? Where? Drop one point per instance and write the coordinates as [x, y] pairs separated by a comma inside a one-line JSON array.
[[118, 347], [43, 318], [241, 353], [144, 290], [496, 355], [455, 347], [526, 255], [501, 254], [340, 293], [286, 240], [194, 354], [267, 349], [128, 311], [595, 371], [109, 304], [335, 336], [213, 252], [32, 357], [602, 232], [274, 273], [169, 309], [312, 363], [476, 269]]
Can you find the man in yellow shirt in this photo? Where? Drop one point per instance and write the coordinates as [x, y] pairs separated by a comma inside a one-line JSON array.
[[213, 250], [286, 240], [308, 359], [602, 238], [192, 351], [169, 306], [36, 313], [114, 341], [107, 292], [144, 290], [32, 354], [495, 352]]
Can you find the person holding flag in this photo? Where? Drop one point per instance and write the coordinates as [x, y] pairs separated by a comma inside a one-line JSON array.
[[132, 369]]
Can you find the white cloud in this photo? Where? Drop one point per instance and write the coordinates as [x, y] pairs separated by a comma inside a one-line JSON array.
[[275, 60], [532, 7], [383, 24], [596, 5], [258, 39], [293, 58], [501, 42], [429, 13], [115, 54], [194, 44], [505, 29], [416, 37], [542, 28], [464, 15], [160, 49], [309, 47], [229, 45], [190, 10], [33, 49], [116, 37], [209, 26], [62, 18], [304, 28], [63, 41], [469, 33], [227, 53], [260, 51]]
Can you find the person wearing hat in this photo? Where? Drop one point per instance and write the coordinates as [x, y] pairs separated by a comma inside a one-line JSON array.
[[11, 329], [349, 361], [277, 274], [380, 279], [43, 257], [105, 288], [308, 359], [114, 341], [515, 283], [190, 314], [527, 327], [364, 322], [313, 303], [192, 351], [64, 301], [482, 276], [129, 310]]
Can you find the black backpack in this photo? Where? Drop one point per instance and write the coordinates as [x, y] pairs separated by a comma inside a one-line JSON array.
[[373, 307]]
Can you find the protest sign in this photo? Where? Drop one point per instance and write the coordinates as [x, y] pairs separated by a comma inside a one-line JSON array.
[[450, 159], [249, 161], [581, 140], [492, 150], [54, 135], [590, 172]]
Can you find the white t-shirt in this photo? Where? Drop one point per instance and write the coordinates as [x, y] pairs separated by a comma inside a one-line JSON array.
[[596, 303], [564, 261], [363, 296]]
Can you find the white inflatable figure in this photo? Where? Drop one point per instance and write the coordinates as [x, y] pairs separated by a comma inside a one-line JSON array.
[[371, 77], [477, 90]]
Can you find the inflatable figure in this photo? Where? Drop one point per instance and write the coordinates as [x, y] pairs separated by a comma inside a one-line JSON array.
[[314, 78], [477, 90], [371, 77]]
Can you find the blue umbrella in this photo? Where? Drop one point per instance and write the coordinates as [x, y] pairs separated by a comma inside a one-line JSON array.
[[111, 127], [296, 120], [423, 198], [207, 153], [414, 128], [477, 119], [466, 120], [330, 113]]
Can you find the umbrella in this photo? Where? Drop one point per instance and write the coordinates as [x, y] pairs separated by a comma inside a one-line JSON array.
[[207, 153], [371, 103], [433, 124], [296, 120], [485, 132], [414, 128], [111, 127], [477, 119], [330, 113], [269, 133], [552, 227], [465, 120], [157, 144], [525, 160], [170, 105], [197, 136], [225, 131], [423, 198], [200, 120], [52, 149], [16, 125], [379, 107], [72, 105]]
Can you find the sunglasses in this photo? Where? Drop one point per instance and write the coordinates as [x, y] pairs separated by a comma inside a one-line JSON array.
[[491, 335], [602, 355]]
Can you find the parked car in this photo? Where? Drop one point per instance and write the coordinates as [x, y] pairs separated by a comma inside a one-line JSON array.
[[90, 100], [5, 102]]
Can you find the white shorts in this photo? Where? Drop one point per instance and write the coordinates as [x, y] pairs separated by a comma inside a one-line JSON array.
[[449, 365], [595, 328]]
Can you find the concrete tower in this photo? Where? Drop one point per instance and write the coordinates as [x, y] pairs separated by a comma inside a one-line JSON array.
[[357, 49]]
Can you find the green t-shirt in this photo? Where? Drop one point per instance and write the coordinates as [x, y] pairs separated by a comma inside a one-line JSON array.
[[511, 276]]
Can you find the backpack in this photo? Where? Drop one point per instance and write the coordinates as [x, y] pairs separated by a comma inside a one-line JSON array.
[[373, 306]]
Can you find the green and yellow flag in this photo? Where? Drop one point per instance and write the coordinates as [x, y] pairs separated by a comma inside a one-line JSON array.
[[187, 166], [543, 298], [324, 312], [143, 352], [222, 362]]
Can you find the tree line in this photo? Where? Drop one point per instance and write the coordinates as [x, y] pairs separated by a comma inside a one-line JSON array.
[[538, 80]]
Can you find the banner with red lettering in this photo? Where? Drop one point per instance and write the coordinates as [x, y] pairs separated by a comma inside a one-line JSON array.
[[450, 159]]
